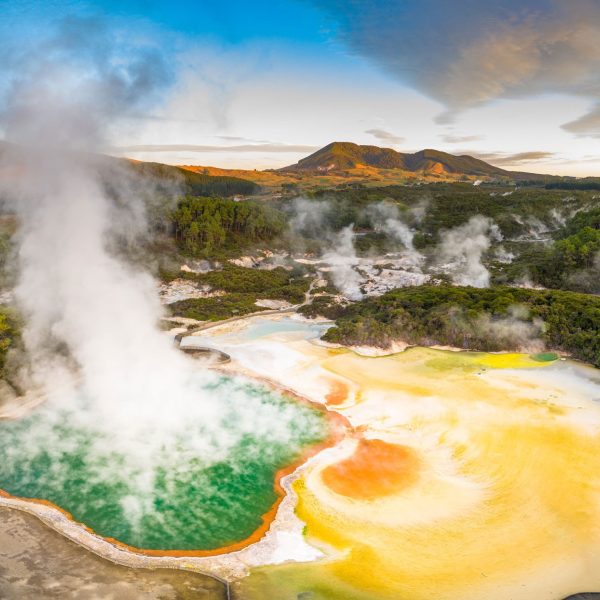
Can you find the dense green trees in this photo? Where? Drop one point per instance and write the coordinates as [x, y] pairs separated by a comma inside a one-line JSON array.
[[589, 183], [203, 225], [515, 214], [572, 262], [243, 287], [275, 284], [483, 319], [196, 184], [218, 185], [9, 335], [579, 250], [586, 218], [216, 308]]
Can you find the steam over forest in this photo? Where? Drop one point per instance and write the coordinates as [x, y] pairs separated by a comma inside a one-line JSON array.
[[551, 234]]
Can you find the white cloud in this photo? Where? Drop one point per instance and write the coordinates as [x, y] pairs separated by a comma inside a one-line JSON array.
[[503, 160], [450, 138], [467, 53], [385, 136]]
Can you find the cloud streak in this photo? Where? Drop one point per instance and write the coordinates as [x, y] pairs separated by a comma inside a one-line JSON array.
[[501, 159], [461, 139], [385, 136], [588, 124], [269, 147]]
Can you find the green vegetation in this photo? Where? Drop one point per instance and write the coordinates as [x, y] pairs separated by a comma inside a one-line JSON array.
[[204, 225], [578, 251], [570, 263], [465, 317], [243, 288], [196, 184], [216, 308], [568, 258], [322, 306], [589, 183], [586, 218], [444, 206], [276, 284], [9, 336], [514, 214]]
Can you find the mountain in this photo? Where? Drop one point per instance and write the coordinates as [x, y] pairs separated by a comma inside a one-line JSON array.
[[344, 156], [341, 156]]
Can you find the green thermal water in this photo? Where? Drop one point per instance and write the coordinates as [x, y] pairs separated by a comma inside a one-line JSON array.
[[165, 494], [545, 356]]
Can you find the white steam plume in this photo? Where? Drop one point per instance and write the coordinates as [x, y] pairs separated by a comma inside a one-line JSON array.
[[337, 248], [514, 331], [135, 409], [386, 218], [419, 210], [90, 318], [72, 291], [309, 216], [342, 261], [501, 254], [461, 249]]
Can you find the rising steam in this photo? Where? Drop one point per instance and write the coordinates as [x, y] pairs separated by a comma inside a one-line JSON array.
[[90, 316], [462, 248], [74, 294], [309, 218], [515, 331], [342, 261], [386, 218]]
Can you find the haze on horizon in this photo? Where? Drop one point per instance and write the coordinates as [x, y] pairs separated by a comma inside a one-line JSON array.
[[516, 83]]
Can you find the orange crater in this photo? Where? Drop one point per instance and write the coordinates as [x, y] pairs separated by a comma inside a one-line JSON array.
[[338, 393], [375, 469]]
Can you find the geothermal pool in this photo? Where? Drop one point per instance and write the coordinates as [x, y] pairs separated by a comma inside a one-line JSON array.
[[462, 474], [459, 474], [157, 491]]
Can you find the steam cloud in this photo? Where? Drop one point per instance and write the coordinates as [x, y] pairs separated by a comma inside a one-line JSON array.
[[459, 254], [342, 261], [387, 218], [72, 291], [461, 249], [90, 316], [338, 251], [311, 218], [515, 331]]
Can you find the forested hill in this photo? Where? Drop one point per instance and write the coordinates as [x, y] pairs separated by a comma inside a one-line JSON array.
[[341, 156], [168, 176], [197, 184]]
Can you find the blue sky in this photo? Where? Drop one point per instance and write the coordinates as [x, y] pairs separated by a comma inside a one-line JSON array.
[[260, 84], [232, 22]]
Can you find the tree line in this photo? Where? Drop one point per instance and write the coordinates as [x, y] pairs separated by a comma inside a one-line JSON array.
[[205, 224], [461, 317]]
